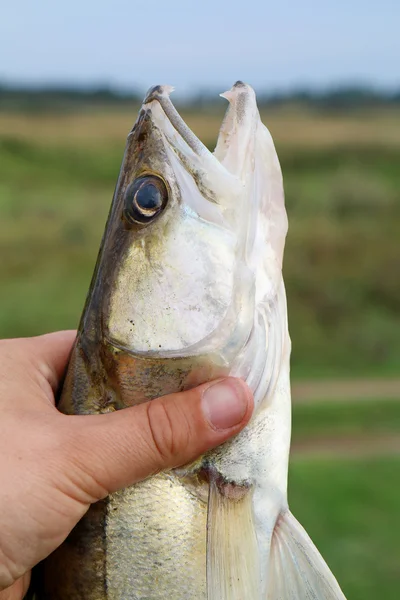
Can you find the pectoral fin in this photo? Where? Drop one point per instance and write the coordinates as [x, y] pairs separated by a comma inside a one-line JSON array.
[[297, 571], [233, 571]]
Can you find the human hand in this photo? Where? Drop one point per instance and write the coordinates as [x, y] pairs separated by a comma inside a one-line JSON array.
[[53, 466]]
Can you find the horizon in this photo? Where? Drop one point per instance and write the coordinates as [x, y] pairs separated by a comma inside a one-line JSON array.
[[315, 92]]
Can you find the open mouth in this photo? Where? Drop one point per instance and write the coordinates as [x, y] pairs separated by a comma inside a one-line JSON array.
[[236, 134], [221, 176]]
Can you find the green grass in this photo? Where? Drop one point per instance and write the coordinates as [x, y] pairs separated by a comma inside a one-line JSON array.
[[341, 418], [350, 508], [351, 511]]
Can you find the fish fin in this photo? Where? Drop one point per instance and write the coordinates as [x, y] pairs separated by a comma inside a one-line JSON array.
[[296, 568], [233, 571]]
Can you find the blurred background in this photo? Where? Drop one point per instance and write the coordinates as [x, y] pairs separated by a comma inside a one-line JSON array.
[[328, 84]]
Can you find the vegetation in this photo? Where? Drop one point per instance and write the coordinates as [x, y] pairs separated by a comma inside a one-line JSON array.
[[342, 180], [65, 98], [335, 420], [350, 510], [349, 506]]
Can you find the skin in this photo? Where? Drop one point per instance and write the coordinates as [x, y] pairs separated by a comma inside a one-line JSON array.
[[54, 466]]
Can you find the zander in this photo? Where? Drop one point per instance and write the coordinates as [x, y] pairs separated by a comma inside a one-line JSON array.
[[188, 287]]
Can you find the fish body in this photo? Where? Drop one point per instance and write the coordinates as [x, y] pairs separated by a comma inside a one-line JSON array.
[[188, 287]]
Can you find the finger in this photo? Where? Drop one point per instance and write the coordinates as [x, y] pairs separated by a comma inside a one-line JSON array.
[[50, 354], [17, 590], [31, 367], [118, 449]]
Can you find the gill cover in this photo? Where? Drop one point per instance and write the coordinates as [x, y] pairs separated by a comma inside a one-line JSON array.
[[246, 149]]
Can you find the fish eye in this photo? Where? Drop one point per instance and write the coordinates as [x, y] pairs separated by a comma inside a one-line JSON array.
[[145, 198]]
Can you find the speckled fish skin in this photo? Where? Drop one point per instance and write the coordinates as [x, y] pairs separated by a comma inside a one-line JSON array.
[[180, 297]]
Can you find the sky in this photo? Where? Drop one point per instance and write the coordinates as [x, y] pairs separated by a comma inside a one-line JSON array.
[[203, 45]]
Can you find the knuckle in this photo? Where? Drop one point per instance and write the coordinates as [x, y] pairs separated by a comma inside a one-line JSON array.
[[81, 472], [169, 430]]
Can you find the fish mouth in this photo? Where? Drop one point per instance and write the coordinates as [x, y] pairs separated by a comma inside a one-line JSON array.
[[236, 135], [223, 177], [161, 93]]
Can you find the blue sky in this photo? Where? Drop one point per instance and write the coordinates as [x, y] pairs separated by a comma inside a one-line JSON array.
[[201, 44]]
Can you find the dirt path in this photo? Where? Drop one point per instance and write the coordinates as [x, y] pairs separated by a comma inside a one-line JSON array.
[[365, 446], [346, 389], [353, 447]]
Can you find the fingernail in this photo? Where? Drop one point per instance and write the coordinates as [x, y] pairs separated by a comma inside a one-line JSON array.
[[225, 403]]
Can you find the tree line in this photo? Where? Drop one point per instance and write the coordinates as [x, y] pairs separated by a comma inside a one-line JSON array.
[[64, 98]]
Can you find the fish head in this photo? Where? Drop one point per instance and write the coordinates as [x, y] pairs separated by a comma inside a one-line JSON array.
[[181, 268]]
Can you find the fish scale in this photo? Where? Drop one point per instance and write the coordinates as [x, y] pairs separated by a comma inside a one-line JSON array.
[[167, 537]]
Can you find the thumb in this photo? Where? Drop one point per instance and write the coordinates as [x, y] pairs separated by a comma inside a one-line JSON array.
[[116, 450]]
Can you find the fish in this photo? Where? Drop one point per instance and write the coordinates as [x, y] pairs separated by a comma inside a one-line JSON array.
[[188, 287]]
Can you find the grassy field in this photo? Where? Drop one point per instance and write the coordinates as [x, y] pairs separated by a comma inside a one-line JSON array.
[[342, 260], [324, 419], [349, 502], [350, 509], [342, 180]]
